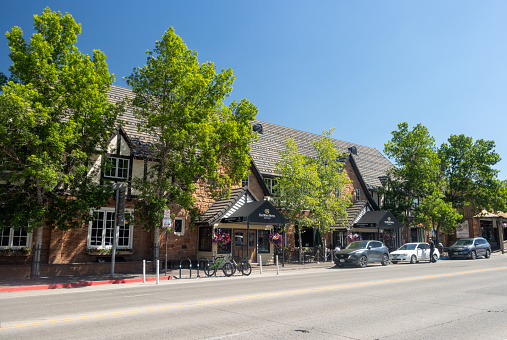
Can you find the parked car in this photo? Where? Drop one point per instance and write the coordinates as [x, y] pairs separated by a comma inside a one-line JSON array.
[[360, 253], [413, 253], [470, 248]]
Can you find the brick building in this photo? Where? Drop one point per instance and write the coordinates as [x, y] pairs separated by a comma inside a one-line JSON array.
[[85, 250]]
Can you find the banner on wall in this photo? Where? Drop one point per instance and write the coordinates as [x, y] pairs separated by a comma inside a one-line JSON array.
[[462, 230]]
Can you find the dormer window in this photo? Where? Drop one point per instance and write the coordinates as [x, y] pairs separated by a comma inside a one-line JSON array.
[[118, 168]]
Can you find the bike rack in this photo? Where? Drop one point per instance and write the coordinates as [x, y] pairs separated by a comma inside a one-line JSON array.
[[189, 264], [202, 259]]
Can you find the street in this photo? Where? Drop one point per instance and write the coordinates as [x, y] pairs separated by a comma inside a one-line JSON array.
[[459, 299]]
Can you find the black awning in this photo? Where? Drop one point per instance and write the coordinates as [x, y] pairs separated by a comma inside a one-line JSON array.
[[378, 219], [261, 212]]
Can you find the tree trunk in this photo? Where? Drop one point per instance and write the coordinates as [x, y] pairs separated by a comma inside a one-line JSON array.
[[300, 245], [36, 254]]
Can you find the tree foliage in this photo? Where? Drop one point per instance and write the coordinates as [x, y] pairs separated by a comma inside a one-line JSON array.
[[443, 181], [199, 140], [308, 185], [467, 167], [415, 174], [54, 114]]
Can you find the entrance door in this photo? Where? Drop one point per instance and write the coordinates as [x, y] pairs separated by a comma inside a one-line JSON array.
[[239, 244]]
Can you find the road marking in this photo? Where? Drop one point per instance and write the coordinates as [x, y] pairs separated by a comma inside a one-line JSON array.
[[242, 298]]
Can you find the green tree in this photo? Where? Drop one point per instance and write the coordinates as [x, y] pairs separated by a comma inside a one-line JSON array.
[[54, 115], [467, 167], [200, 141], [415, 174], [308, 185]]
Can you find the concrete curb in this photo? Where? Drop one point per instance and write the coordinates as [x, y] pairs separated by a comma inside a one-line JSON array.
[[79, 284]]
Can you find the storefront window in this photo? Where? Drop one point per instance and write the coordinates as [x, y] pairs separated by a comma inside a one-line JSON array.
[[263, 242], [205, 239]]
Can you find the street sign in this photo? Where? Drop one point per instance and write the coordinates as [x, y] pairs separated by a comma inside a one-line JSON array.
[[166, 223]]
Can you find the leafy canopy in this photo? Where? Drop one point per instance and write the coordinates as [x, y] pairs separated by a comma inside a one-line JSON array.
[[308, 184], [54, 115], [198, 138]]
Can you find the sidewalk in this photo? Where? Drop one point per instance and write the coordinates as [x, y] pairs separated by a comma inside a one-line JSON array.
[[72, 281]]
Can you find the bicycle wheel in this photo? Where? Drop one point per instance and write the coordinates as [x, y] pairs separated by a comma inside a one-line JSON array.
[[246, 268], [228, 269], [210, 269]]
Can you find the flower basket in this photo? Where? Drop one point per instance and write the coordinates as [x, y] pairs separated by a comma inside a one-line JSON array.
[[354, 237], [276, 239], [221, 238]]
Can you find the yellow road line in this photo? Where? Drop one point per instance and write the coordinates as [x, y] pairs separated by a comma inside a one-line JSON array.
[[251, 297]]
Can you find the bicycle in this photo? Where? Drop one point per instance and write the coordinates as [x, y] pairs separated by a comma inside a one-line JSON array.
[[228, 265], [218, 262], [244, 267]]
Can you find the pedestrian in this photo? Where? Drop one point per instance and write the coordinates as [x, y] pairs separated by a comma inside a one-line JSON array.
[[432, 249]]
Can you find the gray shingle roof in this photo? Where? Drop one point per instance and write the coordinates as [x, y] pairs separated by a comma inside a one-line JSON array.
[[266, 152], [140, 140]]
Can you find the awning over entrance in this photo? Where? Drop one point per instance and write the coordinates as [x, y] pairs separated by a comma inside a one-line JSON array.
[[259, 212], [379, 220]]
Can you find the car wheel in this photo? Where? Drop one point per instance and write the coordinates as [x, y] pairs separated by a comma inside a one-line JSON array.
[[385, 260], [413, 259], [394, 262], [363, 261], [435, 258], [473, 255], [488, 254]]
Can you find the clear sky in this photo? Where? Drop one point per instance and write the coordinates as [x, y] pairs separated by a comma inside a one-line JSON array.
[[361, 67]]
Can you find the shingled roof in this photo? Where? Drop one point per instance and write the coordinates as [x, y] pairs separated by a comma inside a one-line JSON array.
[[222, 208], [141, 141], [265, 152]]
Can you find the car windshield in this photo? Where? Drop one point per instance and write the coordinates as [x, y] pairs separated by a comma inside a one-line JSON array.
[[357, 245], [410, 246], [463, 242]]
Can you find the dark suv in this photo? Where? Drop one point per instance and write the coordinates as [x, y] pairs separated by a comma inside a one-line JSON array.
[[470, 248], [360, 253]]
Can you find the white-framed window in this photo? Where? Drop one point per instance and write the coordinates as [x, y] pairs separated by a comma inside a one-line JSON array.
[[179, 226], [245, 182], [337, 192], [358, 194], [118, 168], [271, 184], [101, 229], [15, 239]]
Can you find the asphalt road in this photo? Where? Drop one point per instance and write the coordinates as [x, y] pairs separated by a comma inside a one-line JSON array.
[[460, 299]]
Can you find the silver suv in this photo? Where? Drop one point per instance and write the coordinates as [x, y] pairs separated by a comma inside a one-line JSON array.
[[470, 248], [360, 253]]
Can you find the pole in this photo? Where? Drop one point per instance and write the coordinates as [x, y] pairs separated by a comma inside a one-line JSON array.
[[260, 262], [115, 235], [144, 271], [158, 274], [166, 251], [277, 269]]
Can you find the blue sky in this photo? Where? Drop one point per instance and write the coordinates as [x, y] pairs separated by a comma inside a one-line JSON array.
[[361, 67]]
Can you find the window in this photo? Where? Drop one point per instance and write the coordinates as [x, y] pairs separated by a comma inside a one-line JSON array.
[[101, 230], [179, 226], [337, 192], [244, 182], [11, 238], [205, 239], [358, 194], [271, 184], [263, 241], [118, 168]]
